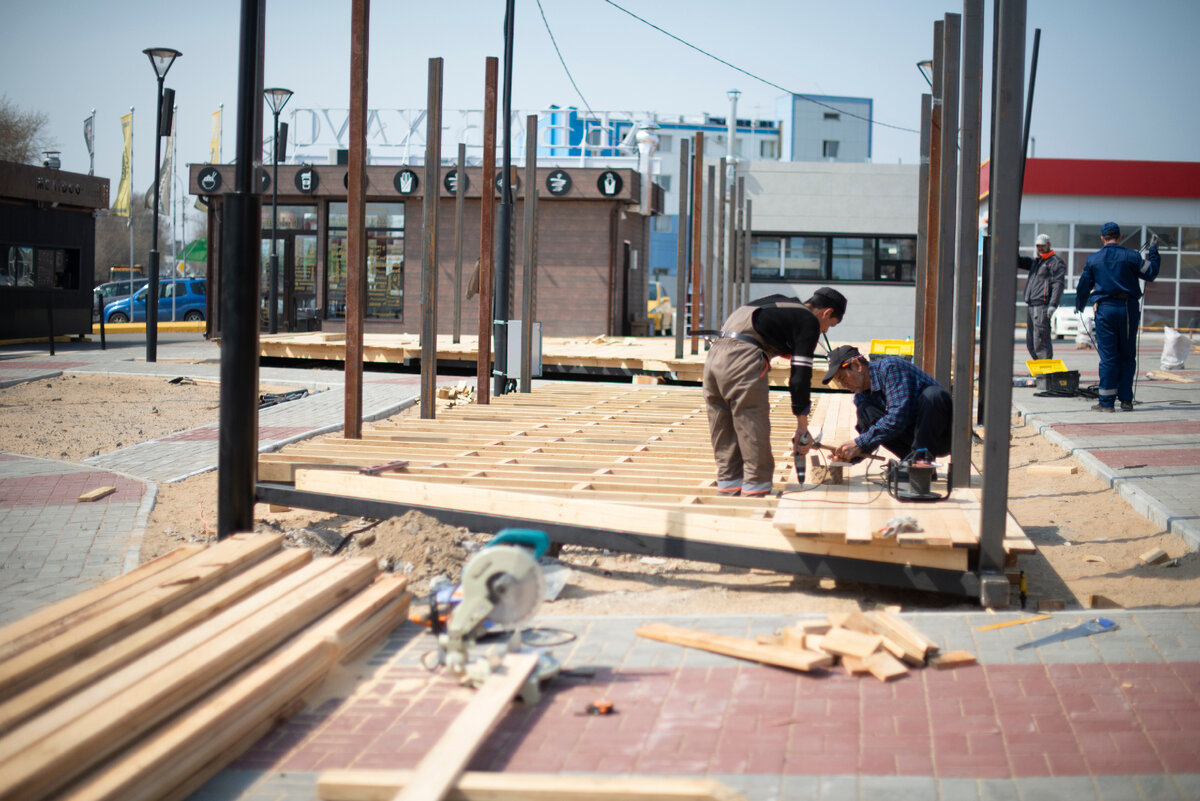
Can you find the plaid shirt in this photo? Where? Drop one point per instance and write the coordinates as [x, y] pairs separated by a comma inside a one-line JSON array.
[[895, 385]]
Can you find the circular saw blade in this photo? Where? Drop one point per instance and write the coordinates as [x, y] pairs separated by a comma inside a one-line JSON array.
[[515, 583]]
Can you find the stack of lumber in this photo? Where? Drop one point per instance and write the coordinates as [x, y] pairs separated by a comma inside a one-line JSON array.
[[146, 686], [879, 643]]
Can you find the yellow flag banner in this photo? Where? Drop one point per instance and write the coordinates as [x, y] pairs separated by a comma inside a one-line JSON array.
[[125, 188], [214, 142]]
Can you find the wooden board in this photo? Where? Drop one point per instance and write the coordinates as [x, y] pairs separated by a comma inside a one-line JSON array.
[[439, 769], [382, 785], [778, 655]]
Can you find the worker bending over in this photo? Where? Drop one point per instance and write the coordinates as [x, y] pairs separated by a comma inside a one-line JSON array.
[[1110, 281], [899, 405], [736, 387]]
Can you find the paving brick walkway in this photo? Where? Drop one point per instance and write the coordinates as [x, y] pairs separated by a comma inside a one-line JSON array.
[[1113, 716]]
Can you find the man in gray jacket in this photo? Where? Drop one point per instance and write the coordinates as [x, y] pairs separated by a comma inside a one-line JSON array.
[[1043, 291]]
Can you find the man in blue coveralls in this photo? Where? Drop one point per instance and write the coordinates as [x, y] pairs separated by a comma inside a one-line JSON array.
[[1110, 281]]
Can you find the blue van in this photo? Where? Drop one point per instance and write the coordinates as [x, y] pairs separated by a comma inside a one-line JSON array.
[[178, 299]]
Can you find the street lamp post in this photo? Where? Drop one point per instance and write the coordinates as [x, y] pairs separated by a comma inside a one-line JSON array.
[[276, 98], [161, 58], [925, 67]]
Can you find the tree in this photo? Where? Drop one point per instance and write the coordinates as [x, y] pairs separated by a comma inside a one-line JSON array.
[[22, 133], [112, 238]]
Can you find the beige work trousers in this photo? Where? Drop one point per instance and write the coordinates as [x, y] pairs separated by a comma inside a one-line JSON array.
[[737, 395]]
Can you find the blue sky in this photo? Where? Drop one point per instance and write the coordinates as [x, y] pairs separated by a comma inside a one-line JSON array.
[[1115, 80]]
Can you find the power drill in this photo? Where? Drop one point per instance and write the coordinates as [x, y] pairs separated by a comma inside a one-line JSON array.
[[798, 457]]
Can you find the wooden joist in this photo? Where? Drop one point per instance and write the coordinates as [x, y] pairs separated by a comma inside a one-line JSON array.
[[778, 655], [382, 785]]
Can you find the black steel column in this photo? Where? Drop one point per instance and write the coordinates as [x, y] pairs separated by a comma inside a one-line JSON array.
[[429, 232], [1004, 227], [152, 284], [504, 218], [273, 293], [237, 455], [922, 232]]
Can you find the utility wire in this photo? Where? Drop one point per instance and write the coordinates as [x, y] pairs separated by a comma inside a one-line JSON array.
[[756, 77], [563, 61]]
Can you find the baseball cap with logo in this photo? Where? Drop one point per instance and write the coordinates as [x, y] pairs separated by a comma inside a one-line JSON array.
[[839, 357], [1043, 240]]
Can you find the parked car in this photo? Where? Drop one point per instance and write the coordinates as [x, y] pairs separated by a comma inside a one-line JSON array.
[[178, 299], [659, 309], [1065, 322], [106, 293]]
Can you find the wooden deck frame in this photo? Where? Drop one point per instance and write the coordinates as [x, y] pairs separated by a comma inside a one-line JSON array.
[[630, 468]]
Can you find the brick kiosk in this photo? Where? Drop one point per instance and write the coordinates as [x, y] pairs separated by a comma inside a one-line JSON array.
[[592, 246], [47, 250]]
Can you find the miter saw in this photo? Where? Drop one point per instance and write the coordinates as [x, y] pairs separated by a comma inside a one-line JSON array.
[[502, 586]]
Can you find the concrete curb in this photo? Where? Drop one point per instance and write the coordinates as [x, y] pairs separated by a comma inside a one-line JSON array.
[[1142, 502]]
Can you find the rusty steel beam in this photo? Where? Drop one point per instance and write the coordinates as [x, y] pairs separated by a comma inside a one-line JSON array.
[[723, 293], [928, 293], [922, 233], [460, 196], [487, 232], [528, 267], [697, 229], [429, 234], [681, 241], [356, 217]]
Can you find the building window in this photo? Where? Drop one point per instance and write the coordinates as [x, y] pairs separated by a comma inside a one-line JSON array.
[[385, 261], [43, 268], [829, 149], [832, 116], [822, 257], [662, 224], [665, 143], [665, 182], [768, 149]]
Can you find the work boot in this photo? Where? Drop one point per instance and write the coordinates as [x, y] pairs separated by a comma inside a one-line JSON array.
[[1100, 407], [1127, 406]]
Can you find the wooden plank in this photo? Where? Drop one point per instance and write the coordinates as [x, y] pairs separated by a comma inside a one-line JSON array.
[[79, 675], [48, 752], [180, 584], [699, 526], [778, 655], [441, 766], [899, 642], [901, 629], [953, 659], [201, 741], [381, 785], [845, 642], [43, 623], [96, 494], [884, 666]]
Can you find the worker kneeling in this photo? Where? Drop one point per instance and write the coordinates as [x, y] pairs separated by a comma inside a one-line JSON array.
[[899, 405], [737, 389]]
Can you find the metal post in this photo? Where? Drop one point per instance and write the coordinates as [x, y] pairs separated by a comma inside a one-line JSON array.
[[527, 264], [681, 240], [922, 232], [273, 293], [1033, 64], [928, 296], [731, 284], [739, 262], [356, 218], [723, 294], [237, 438], [429, 232], [487, 233], [746, 252], [1006, 186], [504, 243], [152, 285], [460, 196], [710, 297], [968, 242], [697, 229], [947, 201]]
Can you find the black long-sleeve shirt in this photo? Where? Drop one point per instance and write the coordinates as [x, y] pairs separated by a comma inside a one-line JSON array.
[[789, 328]]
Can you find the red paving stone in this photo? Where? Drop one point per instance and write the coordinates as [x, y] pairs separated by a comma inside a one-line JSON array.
[[64, 489], [1124, 429], [1121, 458], [1003, 721]]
